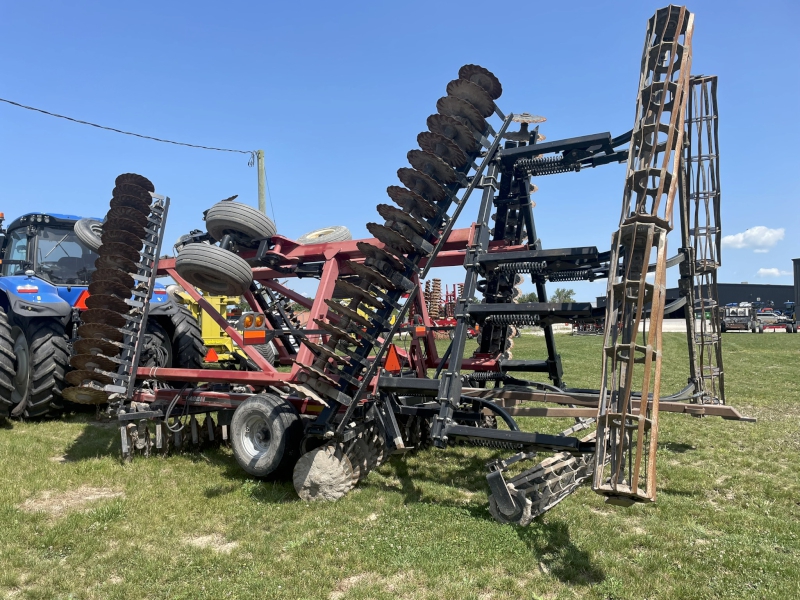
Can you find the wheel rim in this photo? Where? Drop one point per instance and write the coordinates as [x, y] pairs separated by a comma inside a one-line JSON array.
[[255, 436], [320, 232], [22, 364]]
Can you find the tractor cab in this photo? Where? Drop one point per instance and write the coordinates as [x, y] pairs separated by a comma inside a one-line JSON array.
[[48, 246]]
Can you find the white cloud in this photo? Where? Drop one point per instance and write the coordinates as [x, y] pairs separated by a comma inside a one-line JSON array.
[[762, 272], [758, 237], [760, 250]]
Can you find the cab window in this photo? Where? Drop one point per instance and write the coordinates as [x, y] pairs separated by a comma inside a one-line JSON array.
[[16, 253]]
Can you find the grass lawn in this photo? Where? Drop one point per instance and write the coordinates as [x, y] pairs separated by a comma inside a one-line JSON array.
[[726, 523]]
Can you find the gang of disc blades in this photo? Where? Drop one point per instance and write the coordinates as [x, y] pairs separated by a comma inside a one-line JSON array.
[[135, 179], [96, 346], [85, 395], [115, 262], [118, 236], [120, 224], [81, 377], [130, 202], [370, 274], [119, 249], [103, 317], [412, 201], [391, 213], [422, 184], [442, 147], [376, 253], [109, 287], [87, 362], [474, 94], [344, 311], [123, 212], [432, 165], [454, 131], [107, 302], [396, 241], [348, 290], [114, 275], [482, 77], [463, 111], [100, 331], [318, 373]]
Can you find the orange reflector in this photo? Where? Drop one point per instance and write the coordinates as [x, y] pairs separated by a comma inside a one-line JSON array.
[[392, 363], [212, 356], [259, 320], [81, 301], [419, 331], [248, 321], [258, 336]]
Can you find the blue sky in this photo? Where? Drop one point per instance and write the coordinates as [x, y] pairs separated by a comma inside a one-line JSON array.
[[336, 93]]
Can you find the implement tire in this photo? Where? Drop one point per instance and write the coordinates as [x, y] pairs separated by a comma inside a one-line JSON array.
[[89, 232], [334, 233], [7, 370], [245, 224], [42, 367], [214, 270], [265, 436]]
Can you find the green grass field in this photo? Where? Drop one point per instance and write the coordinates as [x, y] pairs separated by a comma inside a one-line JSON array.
[[726, 523]]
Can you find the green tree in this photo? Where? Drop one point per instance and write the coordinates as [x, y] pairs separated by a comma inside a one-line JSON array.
[[562, 296], [529, 297]]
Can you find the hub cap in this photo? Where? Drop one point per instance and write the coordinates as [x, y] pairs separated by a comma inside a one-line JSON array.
[[255, 436]]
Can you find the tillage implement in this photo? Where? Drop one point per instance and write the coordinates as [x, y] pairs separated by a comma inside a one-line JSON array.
[[366, 379]]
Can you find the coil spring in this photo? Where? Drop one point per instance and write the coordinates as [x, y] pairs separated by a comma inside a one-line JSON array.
[[577, 275], [495, 444], [486, 376], [548, 165], [523, 267], [513, 319]]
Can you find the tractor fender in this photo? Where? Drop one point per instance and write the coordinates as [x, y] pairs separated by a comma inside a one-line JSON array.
[[45, 302]]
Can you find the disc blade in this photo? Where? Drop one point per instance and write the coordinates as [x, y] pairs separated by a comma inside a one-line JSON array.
[[85, 395], [472, 93], [370, 274], [107, 302], [80, 377], [408, 200], [102, 317], [122, 224], [100, 331], [454, 131], [482, 77], [116, 236], [96, 346], [345, 289], [88, 362], [432, 165], [119, 249], [442, 147], [135, 179], [463, 111], [421, 184], [345, 311], [393, 240], [110, 288], [376, 253], [391, 213], [118, 263], [123, 212], [114, 275], [130, 202]]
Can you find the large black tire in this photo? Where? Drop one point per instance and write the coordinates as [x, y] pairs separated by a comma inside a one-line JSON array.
[[214, 270], [89, 232], [6, 365], [42, 360], [188, 350], [157, 348], [245, 224], [266, 432], [334, 233]]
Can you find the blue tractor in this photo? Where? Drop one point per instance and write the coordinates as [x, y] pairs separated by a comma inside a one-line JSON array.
[[47, 266]]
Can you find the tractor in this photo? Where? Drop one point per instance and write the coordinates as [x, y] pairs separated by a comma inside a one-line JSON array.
[[47, 266]]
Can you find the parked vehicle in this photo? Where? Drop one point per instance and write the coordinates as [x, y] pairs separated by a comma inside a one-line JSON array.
[[47, 266], [740, 318], [768, 316]]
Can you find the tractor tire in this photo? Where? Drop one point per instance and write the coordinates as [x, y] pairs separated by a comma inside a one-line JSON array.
[[268, 351], [334, 233], [266, 432], [760, 329], [89, 232], [157, 348], [7, 370], [214, 270], [245, 224], [42, 360], [188, 350]]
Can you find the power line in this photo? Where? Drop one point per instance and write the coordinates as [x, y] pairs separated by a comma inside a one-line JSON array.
[[139, 135], [250, 162]]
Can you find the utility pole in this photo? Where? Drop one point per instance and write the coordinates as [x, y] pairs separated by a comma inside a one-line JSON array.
[[262, 182]]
